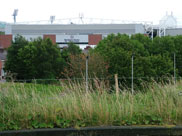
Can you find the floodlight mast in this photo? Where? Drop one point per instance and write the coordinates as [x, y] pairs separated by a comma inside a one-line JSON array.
[[15, 13], [52, 18], [81, 16]]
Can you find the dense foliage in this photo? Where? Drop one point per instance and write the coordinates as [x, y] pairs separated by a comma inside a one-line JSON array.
[[152, 59], [97, 66], [76, 63], [2, 33], [38, 59]]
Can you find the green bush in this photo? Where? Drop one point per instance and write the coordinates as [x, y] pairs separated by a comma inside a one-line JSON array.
[[37, 59]]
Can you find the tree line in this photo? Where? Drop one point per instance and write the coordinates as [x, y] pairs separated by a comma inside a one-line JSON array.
[[41, 59]]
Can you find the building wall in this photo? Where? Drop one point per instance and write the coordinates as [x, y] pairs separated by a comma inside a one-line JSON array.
[[174, 32], [74, 29], [79, 39], [139, 29], [29, 37], [94, 39], [52, 37], [5, 41], [81, 34], [8, 29], [2, 30], [2, 26]]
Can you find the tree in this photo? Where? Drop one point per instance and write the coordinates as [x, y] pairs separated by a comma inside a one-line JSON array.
[[13, 63], [2, 33], [72, 49], [97, 67], [68, 53], [117, 51], [38, 59], [163, 45], [143, 39], [178, 53], [75, 67]]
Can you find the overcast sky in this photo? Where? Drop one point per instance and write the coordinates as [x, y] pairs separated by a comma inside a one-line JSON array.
[[137, 10]]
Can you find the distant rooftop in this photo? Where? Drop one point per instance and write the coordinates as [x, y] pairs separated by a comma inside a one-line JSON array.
[[73, 29], [85, 21]]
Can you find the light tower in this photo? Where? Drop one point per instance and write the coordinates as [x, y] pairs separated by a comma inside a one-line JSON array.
[[52, 18], [15, 13], [81, 16]]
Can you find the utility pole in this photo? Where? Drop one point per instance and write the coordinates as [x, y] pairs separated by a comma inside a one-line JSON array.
[[52, 18], [15, 13]]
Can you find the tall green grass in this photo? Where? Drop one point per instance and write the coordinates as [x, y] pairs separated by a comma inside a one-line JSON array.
[[27, 106]]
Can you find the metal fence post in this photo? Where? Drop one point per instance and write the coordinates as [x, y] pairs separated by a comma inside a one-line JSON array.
[[132, 90], [174, 68], [116, 85], [86, 75]]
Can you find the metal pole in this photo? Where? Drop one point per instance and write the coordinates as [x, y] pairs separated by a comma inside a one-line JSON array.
[[14, 19], [174, 68], [86, 74], [152, 33], [164, 31], [132, 74]]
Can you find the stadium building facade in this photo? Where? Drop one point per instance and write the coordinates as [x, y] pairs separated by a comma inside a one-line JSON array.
[[83, 35]]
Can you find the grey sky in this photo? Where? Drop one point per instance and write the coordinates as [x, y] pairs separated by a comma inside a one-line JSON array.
[[136, 10]]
